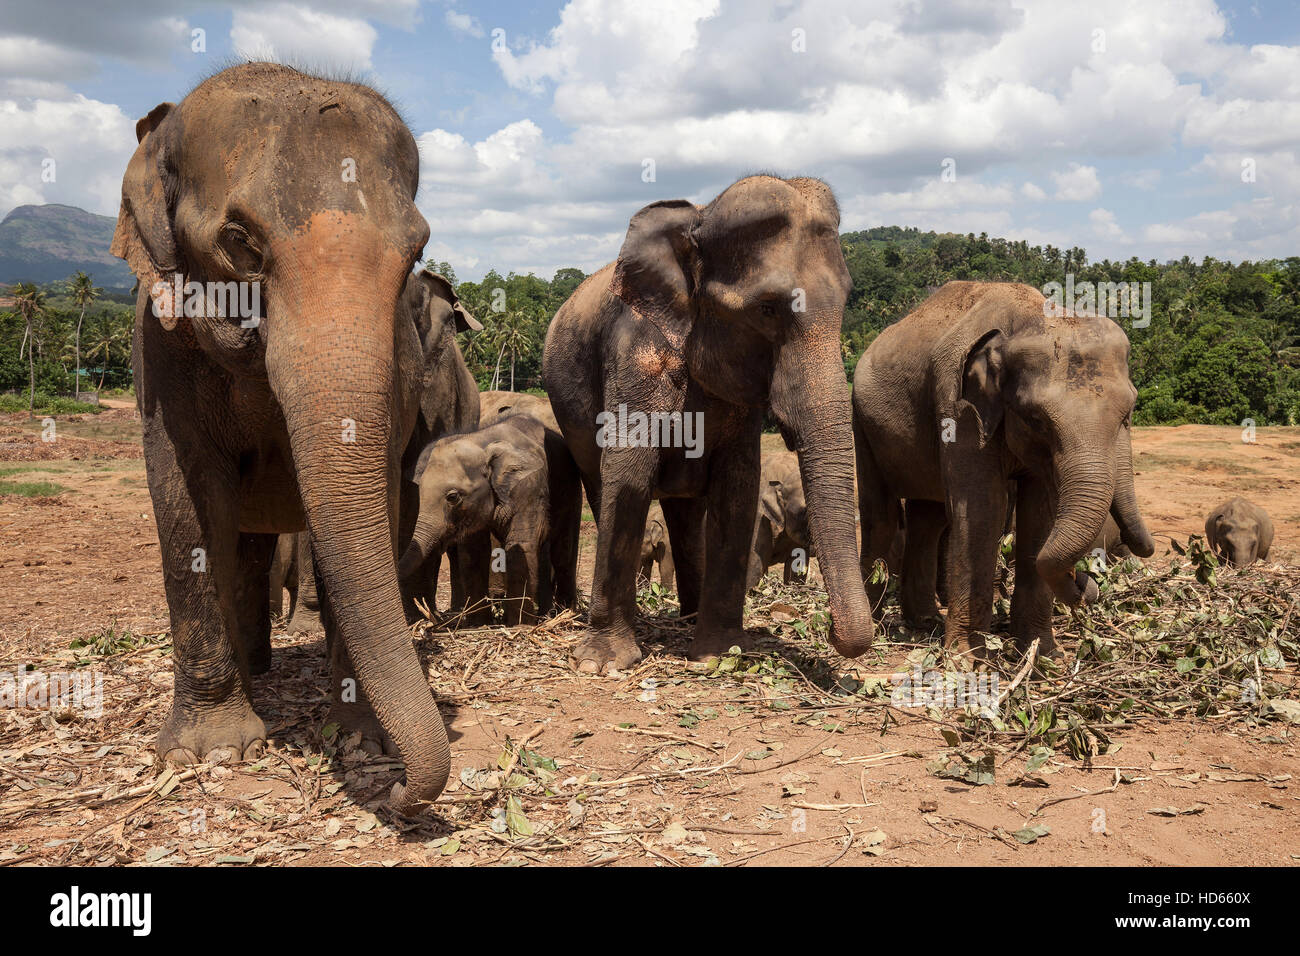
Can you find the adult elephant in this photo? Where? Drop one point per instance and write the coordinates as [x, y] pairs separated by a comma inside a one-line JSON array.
[[977, 386], [710, 316], [293, 417]]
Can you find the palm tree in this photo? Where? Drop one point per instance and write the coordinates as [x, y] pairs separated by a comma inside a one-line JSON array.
[[83, 293], [31, 304], [105, 339], [514, 336]]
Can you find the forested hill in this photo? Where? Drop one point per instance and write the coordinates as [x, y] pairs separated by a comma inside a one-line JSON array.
[[44, 243]]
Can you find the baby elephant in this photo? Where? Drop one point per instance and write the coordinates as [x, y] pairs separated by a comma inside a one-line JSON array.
[[781, 528], [1239, 531], [655, 548], [497, 479]]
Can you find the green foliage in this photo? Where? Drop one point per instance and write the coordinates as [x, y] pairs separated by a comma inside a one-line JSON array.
[[31, 489]]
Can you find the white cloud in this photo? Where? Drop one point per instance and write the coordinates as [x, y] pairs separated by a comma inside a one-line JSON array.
[[1104, 225], [1077, 183], [87, 141], [1033, 192], [464, 23], [295, 33]]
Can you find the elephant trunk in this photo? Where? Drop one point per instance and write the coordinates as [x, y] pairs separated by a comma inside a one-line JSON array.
[[1085, 487], [810, 399], [425, 540], [333, 374], [1124, 507]]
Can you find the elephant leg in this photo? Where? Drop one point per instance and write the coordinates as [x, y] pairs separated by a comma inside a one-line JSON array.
[[282, 576], [684, 518], [974, 528], [1031, 604], [666, 566], [591, 484], [926, 521], [879, 514], [610, 644], [470, 577], [565, 521], [732, 504], [198, 536], [252, 600], [307, 609], [522, 574], [647, 569], [941, 569]]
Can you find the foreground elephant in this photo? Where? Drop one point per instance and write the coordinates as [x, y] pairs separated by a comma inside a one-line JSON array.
[[781, 529], [656, 549], [711, 315], [1240, 532], [291, 415], [975, 387], [498, 479]]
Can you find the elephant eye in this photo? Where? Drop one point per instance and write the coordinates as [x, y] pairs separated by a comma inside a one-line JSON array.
[[244, 253], [453, 497]]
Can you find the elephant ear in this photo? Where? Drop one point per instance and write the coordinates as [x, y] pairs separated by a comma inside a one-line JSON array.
[[513, 470], [144, 235], [983, 375], [439, 286], [655, 271], [771, 506]]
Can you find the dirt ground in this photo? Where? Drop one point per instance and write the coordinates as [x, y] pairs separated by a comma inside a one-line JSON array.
[[764, 761]]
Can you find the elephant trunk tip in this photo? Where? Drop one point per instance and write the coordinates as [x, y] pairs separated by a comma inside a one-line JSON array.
[[854, 638]]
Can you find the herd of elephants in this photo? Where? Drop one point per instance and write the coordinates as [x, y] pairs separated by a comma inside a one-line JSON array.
[[337, 445]]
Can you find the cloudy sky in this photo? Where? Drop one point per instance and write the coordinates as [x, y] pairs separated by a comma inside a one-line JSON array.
[[1128, 127]]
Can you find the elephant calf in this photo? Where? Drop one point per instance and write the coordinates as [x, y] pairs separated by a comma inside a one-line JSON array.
[[656, 549], [291, 570], [499, 479], [1240, 532], [781, 528]]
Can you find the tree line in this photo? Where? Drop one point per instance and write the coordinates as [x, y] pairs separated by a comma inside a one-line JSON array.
[[1222, 345]]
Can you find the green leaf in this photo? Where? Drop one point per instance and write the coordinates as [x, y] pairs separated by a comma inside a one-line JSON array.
[[1031, 834]]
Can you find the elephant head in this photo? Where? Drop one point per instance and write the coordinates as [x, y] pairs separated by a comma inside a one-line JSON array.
[[299, 193], [1059, 388], [749, 291], [1239, 532], [476, 482]]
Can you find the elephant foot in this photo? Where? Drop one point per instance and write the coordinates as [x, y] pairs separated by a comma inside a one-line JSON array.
[[600, 653], [304, 621], [259, 659], [354, 718], [215, 738], [924, 620], [707, 647]]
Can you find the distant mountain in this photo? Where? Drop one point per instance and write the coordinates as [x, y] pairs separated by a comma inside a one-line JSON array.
[[43, 243]]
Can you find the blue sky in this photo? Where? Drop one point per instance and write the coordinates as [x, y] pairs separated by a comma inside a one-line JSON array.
[[1155, 129]]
